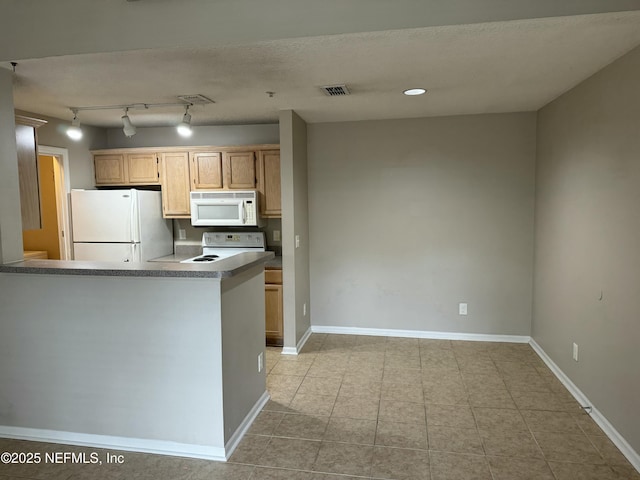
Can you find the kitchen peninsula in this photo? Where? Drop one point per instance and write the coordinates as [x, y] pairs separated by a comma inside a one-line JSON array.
[[153, 357]]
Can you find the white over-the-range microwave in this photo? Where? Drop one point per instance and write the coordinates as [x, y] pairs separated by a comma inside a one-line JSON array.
[[228, 208]]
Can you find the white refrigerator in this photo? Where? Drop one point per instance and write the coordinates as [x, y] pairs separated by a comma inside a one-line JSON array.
[[119, 226]]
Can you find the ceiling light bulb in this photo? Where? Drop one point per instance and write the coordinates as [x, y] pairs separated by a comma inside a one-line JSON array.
[[128, 128], [74, 132], [184, 127], [415, 91]]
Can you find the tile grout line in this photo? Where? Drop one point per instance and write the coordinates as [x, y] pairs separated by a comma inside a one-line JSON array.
[[426, 419]]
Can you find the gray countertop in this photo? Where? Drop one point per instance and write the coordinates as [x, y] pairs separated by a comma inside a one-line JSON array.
[[161, 267], [275, 262]]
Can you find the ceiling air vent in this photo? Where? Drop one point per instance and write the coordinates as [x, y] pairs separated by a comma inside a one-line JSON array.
[[335, 90], [195, 99]]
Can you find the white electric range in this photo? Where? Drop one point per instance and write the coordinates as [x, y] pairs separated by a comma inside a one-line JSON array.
[[219, 245]]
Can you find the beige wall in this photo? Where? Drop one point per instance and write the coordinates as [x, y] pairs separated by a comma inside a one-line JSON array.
[[588, 239], [410, 217], [219, 135], [295, 221]]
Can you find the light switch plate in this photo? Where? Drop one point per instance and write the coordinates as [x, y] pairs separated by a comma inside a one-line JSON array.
[[462, 309]]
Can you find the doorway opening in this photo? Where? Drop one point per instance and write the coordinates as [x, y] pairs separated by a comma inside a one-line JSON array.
[[54, 236]]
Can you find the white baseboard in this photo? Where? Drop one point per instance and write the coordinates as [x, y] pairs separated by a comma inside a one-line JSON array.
[[389, 332], [245, 425], [114, 443], [295, 350], [619, 441], [160, 447]]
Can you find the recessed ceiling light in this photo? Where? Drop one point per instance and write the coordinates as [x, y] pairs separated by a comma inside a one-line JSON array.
[[415, 91]]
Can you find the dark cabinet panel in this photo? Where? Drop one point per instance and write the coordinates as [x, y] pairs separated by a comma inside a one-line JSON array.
[[27, 149]]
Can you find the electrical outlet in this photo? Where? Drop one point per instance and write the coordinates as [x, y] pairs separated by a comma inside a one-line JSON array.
[[575, 351], [304, 309], [297, 241], [462, 309], [276, 235], [182, 234], [260, 362]]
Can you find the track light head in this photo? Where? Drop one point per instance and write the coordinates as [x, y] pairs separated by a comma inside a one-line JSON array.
[[184, 127], [128, 128], [74, 132]]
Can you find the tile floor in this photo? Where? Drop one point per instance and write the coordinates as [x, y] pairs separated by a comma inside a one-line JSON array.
[[392, 408]]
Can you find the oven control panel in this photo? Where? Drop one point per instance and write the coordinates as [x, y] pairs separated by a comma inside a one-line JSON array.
[[233, 239]]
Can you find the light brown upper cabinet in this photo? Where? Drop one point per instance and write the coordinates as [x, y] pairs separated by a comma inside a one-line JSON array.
[[127, 169], [175, 185], [110, 169], [240, 170], [269, 183], [180, 170], [206, 170], [186, 171], [143, 168], [27, 150]]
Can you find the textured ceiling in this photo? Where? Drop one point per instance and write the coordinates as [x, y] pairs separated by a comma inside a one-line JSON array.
[[492, 67]]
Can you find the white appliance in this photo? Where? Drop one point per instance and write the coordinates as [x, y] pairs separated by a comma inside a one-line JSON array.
[[119, 226], [219, 245], [229, 208]]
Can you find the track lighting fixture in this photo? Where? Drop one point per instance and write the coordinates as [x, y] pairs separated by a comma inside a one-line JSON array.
[[184, 127], [74, 132], [128, 128]]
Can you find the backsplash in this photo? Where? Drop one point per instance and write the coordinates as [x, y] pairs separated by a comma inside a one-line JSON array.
[[193, 235]]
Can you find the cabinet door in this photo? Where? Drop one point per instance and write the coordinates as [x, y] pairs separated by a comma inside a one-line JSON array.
[[269, 183], [175, 185], [110, 169], [240, 170], [28, 177], [273, 314], [206, 170], [143, 168]]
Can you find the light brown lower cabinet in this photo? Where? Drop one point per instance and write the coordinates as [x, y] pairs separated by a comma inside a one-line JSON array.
[[274, 328]]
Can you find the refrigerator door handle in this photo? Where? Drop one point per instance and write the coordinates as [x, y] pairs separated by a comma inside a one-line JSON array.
[[133, 217], [136, 253]]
